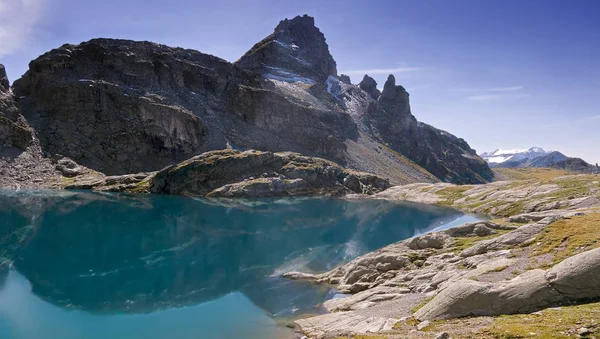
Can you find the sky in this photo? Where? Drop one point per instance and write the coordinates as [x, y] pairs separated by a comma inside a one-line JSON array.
[[500, 74]]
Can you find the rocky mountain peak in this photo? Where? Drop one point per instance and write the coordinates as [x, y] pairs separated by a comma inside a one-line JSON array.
[[369, 85], [4, 84], [295, 51], [390, 90], [345, 79]]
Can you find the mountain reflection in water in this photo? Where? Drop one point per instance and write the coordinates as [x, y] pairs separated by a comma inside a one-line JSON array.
[[112, 253]]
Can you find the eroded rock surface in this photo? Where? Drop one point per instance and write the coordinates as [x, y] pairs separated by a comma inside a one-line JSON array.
[[575, 278], [235, 174], [388, 283]]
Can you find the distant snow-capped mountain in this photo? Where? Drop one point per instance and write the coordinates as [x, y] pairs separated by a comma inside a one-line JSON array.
[[500, 156]]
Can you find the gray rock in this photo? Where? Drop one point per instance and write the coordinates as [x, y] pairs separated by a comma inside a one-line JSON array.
[[345, 79], [430, 240], [232, 174], [4, 84], [517, 237], [573, 279], [369, 85], [525, 293], [577, 277]]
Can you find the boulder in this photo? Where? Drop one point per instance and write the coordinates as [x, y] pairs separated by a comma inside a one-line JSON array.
[[526, 293], [577, 277], [573, 279], [430, 240]]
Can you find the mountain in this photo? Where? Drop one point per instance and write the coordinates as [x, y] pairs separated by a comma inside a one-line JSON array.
[[121, 106], [500, 156], [576, 165], [537, 157]]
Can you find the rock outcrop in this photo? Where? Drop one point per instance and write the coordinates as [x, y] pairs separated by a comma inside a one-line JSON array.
[[297, 48], [119, 106], [447, 157], [387, 284], [573, 279], [14, 131], [249, 174]]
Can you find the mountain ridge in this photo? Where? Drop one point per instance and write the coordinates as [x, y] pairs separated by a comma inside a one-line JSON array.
[[120, 106]]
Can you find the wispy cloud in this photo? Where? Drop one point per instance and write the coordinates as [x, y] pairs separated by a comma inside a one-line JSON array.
[[506, 89], [594, 117], [484, 90], [483, 97], [486, 94], [487, 97], [376, 71], [18, 20]]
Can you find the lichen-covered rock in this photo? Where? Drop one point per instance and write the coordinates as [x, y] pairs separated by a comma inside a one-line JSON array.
[[235, 174]]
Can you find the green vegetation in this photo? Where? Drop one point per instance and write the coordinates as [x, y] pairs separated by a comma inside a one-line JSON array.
[[566, 237], [421, 304], [462, 243], [499, 268], [529, 173], [452, 193], [548, 324]]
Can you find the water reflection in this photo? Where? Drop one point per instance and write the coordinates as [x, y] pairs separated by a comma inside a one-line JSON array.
[[108, 253]]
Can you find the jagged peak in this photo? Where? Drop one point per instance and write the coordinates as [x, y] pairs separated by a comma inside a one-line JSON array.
[[295, 50], [390, 90], [345, 79], [302, 21], [369, 85], [4, 84]]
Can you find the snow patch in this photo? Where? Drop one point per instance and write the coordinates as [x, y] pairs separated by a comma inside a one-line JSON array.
[[287, 76]]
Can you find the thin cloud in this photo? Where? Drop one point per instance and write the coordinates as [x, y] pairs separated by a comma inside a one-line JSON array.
[[483, 90], [594, 117], [18, 20], [484, 97], [487, 97], [376, 71], [506, 89]]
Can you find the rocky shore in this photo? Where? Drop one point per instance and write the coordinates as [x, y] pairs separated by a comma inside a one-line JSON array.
[[235, 174], [544, 255]]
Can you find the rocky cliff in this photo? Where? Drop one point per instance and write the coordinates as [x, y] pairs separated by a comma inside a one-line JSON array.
[[119, 106]]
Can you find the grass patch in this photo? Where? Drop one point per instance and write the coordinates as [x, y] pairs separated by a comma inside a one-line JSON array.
[[420, 305], [562, 323], [530, 173], [462, 243], [452, 193], [499, 269], [565, 237]]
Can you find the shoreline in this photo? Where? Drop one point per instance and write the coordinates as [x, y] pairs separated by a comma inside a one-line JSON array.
[[496, 255]]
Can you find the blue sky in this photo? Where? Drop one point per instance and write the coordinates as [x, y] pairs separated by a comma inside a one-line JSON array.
[[500, 74]]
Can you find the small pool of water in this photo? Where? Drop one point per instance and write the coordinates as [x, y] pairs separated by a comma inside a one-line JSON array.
[[98, 265]]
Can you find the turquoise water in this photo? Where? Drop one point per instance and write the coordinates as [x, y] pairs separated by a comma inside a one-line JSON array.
[[97, 265]]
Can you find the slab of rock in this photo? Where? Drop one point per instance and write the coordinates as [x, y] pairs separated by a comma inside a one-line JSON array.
[[517, 237], [573, 279], [235, 174]]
